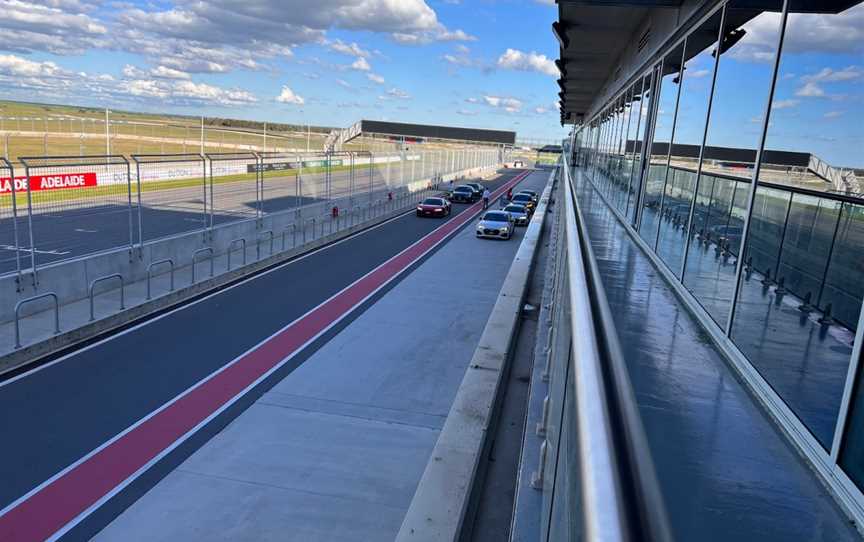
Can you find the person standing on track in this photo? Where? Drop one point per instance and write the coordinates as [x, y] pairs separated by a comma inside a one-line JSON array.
[[486, 196], [509, 194]]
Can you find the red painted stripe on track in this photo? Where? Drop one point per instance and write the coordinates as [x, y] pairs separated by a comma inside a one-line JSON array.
[[62, 500]]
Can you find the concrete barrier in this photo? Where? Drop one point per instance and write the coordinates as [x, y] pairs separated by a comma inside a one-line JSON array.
[[70, 279]]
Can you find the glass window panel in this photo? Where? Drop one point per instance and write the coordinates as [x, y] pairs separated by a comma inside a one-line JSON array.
[[732, 139], [804, 247], [659, 151], [635, 182], [689, 131]]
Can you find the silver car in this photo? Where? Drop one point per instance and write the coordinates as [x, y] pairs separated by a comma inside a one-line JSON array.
[[496, 225], [518, 212]]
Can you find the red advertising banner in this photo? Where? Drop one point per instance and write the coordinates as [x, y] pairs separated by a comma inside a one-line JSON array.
[[49, 182]]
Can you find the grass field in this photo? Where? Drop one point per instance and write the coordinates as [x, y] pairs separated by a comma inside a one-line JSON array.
[[40, 129]]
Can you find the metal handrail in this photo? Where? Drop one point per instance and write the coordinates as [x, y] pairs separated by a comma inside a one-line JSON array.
[[293, 228], [28, 300], [258, 243], [150, 267], [242, 241], [208, 250], [102, 279], [308, 220], [620, 494]]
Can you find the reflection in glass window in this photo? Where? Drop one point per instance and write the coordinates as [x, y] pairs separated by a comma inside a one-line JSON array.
[[659, 150], [800, 293], [642, 125], [734, 133], [688, 136]]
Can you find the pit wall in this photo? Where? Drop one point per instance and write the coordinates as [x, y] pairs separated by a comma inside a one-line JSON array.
[[70, 280]]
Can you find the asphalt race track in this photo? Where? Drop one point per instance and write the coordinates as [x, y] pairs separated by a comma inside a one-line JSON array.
[[84, 400]]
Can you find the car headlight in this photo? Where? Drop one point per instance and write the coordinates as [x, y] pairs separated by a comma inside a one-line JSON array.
[[504, 229], [419, 208]]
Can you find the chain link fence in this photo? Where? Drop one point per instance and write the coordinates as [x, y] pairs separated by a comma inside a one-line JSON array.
[[76, 206], [56, 208], [172, 194]]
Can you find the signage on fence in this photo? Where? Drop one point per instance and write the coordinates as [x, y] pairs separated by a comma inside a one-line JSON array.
[[284, 166], [49, 182]]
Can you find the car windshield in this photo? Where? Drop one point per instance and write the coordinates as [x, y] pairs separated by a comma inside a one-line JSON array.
[[464, 189], [521, 197], [496, 216], [514, 209], [432, 201]]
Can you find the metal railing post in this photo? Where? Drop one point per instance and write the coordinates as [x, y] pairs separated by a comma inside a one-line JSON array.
[[28, 300], [101, 279], [242, 241], [208, 250], [150, 267]]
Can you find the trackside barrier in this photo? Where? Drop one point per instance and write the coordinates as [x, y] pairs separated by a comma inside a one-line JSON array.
[[205, 250], [103, 279], [68, 279], [242, 242], [150, 267], [29, 300], [158, 178], [258, 244], [101, 186], [10, 238]]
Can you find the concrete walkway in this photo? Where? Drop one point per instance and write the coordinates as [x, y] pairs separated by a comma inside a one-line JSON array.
[[335, 450]]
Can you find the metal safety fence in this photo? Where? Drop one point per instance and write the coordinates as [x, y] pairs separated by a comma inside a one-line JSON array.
[[58, 208]]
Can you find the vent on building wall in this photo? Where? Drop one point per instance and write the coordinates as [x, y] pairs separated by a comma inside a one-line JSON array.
[[643, 41]]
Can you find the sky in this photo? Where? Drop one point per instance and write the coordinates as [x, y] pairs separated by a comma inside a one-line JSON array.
[[476, 63], [818, 103]]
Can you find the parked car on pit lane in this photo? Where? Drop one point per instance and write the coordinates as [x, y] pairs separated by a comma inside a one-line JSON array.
[[433, 207], [477, 186], [534, 195], [518, 212], [495, 225], [526, 200], [464, 194]]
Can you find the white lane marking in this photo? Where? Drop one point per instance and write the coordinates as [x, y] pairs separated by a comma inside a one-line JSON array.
[[83, 515], [28, 250]]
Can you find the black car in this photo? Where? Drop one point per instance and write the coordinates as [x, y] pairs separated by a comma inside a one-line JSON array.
[[479, 188], [464, 194], [526, 200]]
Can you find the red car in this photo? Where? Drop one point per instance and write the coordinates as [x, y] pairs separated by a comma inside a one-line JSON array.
[[433, 207]]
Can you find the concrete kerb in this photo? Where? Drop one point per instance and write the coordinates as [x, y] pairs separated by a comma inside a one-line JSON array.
[[180, 249], [443, 504]]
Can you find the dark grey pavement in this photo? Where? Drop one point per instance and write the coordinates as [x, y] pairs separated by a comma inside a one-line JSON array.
[[57, 414], [725, 470]]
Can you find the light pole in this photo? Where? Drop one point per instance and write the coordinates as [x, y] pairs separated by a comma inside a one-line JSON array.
[[107, 135]]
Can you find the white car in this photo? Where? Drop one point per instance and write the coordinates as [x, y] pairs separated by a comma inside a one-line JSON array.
[[496, 225]]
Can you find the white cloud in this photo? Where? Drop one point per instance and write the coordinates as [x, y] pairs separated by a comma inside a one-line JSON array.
[[375, 78], [472, 100], [513, 59], [168, 73], [810, 90], [211, 94], [15, 65], [361, 64], [784, 104], [466, 112], [397, 93], [343, 83], [462, 49], [57, 27], [351, 49], [511, 105], [697, 74], [288, 97], [833, 114]]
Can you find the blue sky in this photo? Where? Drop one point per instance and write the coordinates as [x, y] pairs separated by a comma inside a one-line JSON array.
[[482, 63]]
